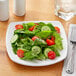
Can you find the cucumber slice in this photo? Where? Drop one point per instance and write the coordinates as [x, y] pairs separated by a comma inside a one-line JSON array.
[[46, 51], [36, 50], [14, 38], [45, 28]]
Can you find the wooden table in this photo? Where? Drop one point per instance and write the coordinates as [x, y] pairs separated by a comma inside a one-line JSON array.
[[35, 10]]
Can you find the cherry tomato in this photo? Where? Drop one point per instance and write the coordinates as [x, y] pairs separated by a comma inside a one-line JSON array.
[[57, 29], [18, 27], [36, 23], [32, 28], [51, 55], [50, 42], [52, 38], [20, 53], [33, 38]]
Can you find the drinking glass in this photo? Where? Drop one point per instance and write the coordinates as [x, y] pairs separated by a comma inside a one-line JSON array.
[[65, 9]]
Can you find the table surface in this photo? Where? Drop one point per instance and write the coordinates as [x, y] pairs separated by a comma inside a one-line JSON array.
[[35, 10]]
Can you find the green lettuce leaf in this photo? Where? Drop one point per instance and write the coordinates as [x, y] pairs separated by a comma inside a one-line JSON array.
[[40, 42], [44, 34], [58, 41]]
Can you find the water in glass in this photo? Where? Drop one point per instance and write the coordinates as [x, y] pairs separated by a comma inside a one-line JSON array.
[[65, 9]]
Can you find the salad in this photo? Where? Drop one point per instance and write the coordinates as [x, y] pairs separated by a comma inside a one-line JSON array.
[[36, 41]]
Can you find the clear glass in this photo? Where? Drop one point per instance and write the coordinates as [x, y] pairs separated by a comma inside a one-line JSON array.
[[65, 9]]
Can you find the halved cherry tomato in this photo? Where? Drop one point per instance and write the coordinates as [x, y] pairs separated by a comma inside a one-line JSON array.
[[20, 53], [50, 42], [57, 29], [51, 55], [52, 38], [33, 38], [32, 28], [18, 27], [36, 23]]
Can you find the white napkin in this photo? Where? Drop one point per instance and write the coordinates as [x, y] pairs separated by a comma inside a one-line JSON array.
[[69, 54]]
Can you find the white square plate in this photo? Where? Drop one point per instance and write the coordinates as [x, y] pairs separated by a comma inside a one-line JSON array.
[[16, 59]]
